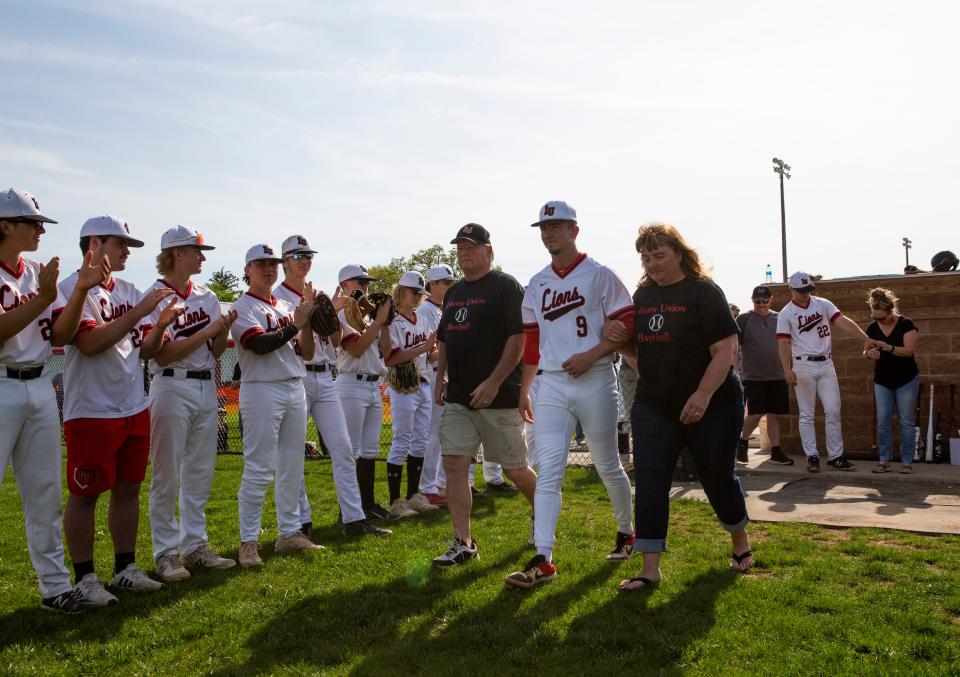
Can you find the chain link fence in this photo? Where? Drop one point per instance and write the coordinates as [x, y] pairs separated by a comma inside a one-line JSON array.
[[230, 436]]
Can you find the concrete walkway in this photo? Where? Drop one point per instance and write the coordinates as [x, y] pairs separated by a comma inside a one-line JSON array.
[[927, 501]]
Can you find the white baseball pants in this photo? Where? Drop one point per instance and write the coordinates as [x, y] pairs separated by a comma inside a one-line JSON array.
[[30, 443], [363, 411], [411, 414], [274, 434], [183, 456], [323, 404], [592, 400], [818, 379]]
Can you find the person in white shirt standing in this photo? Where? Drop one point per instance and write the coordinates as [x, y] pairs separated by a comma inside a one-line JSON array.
[[323, 403], [273, 339], [106, 421], [804, 330], [358, 385], [29, 422], [409, 339], [183, 410], [564, 309]]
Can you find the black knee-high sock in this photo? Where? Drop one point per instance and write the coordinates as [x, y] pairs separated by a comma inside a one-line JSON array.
[[366, 470], [394, 477], [414, 468]]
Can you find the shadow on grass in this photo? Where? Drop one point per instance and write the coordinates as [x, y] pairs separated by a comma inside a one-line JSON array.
[[46, 628]]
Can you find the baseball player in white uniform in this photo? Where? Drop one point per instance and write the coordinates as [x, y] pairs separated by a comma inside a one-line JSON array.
[[106, 421], [184, 410], [273, 339], [409, 338], [804, 330], [323, 403], [358, 385], [564, 308], [29, 422]]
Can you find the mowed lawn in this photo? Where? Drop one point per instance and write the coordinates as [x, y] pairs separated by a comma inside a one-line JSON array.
[[819, 601]]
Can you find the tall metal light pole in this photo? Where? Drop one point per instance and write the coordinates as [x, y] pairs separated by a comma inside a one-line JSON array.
[[782, 168], [907, 243]]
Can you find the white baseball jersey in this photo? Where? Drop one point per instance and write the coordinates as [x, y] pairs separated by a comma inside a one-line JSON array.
[[570, 307], [429, 313], [369, 361], [108, 385], [31, 346], [808, 328], [202, 308], [325, 352], [406, 333], [259, 316]]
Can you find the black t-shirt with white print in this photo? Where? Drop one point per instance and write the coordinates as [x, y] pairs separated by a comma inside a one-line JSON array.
[[478, 318], [674, 328]]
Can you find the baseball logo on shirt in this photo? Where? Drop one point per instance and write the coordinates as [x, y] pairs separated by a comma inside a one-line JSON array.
[[656, 323], [560, 303], [83, 477], [460, 316]]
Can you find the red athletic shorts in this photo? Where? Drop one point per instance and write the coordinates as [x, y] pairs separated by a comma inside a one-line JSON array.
[[102, 450]]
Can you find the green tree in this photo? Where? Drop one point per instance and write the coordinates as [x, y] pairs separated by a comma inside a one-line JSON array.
[[421, 261], [225, 285]]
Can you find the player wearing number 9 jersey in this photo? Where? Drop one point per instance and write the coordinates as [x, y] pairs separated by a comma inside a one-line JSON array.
[[564, 308], [106, 422]]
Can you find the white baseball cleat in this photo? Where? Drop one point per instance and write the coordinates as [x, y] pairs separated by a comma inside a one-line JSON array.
[[91, 592], [134, 580]]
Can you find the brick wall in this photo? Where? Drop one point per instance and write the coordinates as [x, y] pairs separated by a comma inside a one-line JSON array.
[[932, 301]]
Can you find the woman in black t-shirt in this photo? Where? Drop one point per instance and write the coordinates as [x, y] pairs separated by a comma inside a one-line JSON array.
[[685, 342], [896, 379]]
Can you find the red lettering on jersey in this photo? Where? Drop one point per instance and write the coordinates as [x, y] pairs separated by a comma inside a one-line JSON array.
[[411, 339], [808, 322], [114, 311], [190, 323], [281, 322], [560, 302], [10, 298]]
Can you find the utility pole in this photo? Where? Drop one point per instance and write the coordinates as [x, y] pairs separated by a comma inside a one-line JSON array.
[[906, 249], [782, 168]]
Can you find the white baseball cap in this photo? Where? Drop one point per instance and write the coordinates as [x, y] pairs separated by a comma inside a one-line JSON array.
[[354, 271], [441, 272], [181, 236], [296, 243], [414, 281], [19, 204], [102, 226], [261, 252], [801, 281], [556, 210]]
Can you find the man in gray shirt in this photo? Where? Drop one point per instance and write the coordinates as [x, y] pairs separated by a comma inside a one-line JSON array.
[[763, 383]]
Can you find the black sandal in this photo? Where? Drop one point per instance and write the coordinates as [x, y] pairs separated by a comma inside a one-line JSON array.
[[648, 584], [739, 559]]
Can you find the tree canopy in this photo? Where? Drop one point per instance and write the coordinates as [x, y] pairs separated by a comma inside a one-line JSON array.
[[388, 274], [225, 285]]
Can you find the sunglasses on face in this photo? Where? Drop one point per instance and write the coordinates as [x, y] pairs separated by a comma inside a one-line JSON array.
[[360, 280], [762, 299], [300, 256]]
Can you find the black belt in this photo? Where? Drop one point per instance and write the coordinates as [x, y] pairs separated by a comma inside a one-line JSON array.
[[202, 375], [813, 358], [367, 377], [26, 374], [316, 367], [539, 371]]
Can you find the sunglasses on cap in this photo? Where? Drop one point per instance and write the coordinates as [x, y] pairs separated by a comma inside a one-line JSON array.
[[300, 256]]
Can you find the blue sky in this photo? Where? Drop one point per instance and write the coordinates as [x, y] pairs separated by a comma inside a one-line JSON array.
[[378, 128]]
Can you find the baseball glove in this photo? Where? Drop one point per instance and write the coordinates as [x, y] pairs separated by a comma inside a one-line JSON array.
[[377, 299], [404, 377], [324, 320]]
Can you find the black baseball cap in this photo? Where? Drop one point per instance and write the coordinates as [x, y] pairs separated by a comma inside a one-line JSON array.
[[761, 292], [473, 232]]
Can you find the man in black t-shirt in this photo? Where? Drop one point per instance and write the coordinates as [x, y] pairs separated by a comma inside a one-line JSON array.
[[480, 342]]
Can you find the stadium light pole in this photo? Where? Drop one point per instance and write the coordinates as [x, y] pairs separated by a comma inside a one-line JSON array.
[[783, 169], [907, 243]]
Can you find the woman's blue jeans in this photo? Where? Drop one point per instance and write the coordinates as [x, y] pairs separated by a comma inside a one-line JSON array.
[[712, 443], [904, 399]]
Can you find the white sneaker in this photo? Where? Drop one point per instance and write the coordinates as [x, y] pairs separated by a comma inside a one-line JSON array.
[[420, 503], [170, 568], [293, 542], [207, 558], [91, 591], [134, 580], [399, 509]]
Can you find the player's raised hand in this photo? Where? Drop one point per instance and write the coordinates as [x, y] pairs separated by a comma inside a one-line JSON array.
[[169, 313], [90, 274], [431, 343], [48, 280], [383, 312], [150, 301], [308, 293], [338, 299], [301, 316]]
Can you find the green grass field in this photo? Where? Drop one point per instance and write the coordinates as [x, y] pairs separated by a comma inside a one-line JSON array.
[[819, 601]]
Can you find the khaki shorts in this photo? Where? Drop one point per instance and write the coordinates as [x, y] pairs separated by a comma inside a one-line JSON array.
[[500, 431]]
